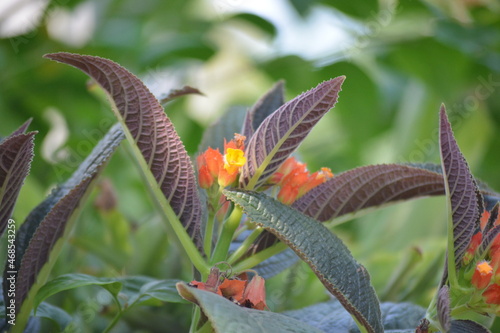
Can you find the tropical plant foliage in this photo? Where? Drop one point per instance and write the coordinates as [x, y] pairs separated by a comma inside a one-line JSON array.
[[224, 227]]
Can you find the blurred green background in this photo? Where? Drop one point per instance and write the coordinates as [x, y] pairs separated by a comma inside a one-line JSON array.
[[402, 60]]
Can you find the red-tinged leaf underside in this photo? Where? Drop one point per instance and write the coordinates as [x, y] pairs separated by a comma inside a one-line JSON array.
[[368, 186], [461, 188], [51, 229], [281, 132], [151, 130], [16, 154]]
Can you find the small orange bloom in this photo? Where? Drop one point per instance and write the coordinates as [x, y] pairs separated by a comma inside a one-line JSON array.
[[471, 251], [208, 167], [255, 293], [295, 180], [492, 294], [482, 275], [484, 219]]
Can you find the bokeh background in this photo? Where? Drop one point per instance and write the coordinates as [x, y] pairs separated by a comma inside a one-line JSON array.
[[402, 60]]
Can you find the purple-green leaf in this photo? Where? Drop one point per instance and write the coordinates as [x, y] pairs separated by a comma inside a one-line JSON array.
[[368, 186], [45, 224], [50, 230], [152, 132], [467, 326], [443, 308], [266, 105], [461, 191], [176, 93], [16, 154], [280, 133]]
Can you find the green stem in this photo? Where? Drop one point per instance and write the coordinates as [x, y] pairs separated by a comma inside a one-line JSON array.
[[242, 249], [226, 236], [164, 206], [256, 259], [209, 231], [117, 316]]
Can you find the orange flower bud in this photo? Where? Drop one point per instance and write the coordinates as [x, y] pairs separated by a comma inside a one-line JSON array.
[[233, 289], [255, 293], [484, 219], [492, 294], [471, 251], [482, 275]]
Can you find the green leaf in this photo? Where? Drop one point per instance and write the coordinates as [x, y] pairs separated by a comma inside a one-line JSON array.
[[16, 154], [225, 316], [55, 314], [331, 317], [324, 252], [72, 281], [258, 21], [151, 131], [464, 200], [279, 135], [163, 290]]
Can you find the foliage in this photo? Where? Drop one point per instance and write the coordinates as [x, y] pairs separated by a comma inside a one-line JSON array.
[[397, 71]]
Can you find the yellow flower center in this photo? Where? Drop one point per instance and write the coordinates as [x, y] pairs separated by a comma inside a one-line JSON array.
[[234, 159], [484, 268]]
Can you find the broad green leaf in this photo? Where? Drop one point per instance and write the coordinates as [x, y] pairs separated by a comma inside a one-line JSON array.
[[280, 133], [258, 21], [467, 326], [330, 316], [464, 199], [224, 128], [151, 131], [324, 252], [41, 236], [368, 186], [265, 106], [57, 315], [366, 9], [163, 290], [16, 154], [72, 281], [227, 317]]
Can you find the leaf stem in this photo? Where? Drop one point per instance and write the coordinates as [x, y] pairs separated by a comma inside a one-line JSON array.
[[242, 249], [226, 236], [117, 316], [259, 257]]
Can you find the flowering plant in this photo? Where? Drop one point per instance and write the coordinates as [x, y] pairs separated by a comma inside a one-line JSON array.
[[246, 202]]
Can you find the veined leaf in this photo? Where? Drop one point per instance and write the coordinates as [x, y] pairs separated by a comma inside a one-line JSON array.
[[443, 308], [361, 188], [265, 106], [368, 186], [72, 281], [330, 317], [16, 154], [39, 239], [281, 132], [325, 253], [151, 131], [176, 93], [223, 128], [465, 201], [225, 316], [467, 326]]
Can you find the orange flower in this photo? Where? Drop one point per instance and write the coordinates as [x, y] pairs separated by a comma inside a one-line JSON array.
[[482, 275], [255, 293], [208, 167], [212, 165], [474, 244], [492, 294], [484, 219], [295, 180]]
